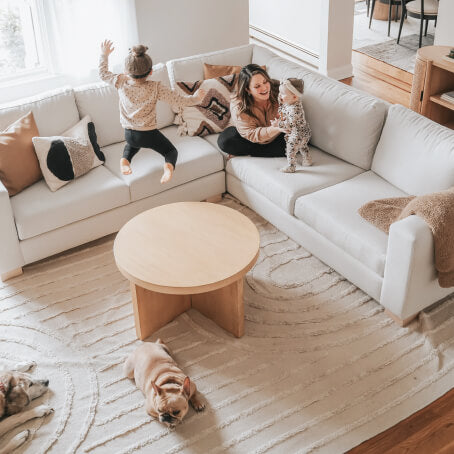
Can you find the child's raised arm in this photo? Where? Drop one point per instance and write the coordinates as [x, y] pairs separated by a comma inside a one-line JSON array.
[[172, 97], [104, 73]]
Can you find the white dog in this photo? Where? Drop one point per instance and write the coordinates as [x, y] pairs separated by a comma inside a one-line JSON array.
[[17, 390]]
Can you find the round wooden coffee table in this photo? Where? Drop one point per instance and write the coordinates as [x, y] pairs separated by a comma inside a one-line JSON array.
[[183, 255]]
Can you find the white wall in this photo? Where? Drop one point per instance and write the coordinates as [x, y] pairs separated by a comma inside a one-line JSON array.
[[444, 32], [317, 33], [180, 28], [291, 26]]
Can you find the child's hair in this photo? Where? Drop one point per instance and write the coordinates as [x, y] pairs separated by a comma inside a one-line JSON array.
[[297, 83], [138, 63]]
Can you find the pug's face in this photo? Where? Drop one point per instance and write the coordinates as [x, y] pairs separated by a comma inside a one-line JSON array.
[[169, 404]]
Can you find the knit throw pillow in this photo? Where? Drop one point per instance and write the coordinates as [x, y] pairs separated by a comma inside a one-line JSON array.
[[213, 113], [66, 157]]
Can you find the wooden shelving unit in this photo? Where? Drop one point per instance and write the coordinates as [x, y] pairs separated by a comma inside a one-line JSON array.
[[434, 75]]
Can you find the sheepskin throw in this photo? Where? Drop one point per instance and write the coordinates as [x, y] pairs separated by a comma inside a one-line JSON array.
[[436, 209]]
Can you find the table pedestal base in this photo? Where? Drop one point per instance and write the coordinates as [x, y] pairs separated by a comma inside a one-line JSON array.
[[153, 310]]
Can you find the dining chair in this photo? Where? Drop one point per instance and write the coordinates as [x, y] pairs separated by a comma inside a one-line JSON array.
[[424, 10], [391, 3]]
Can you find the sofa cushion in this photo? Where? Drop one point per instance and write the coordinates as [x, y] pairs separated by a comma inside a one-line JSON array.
[[38, 210], [345, 123], [54, 111], [283, 189], [100, 101], [414, 153], [19, 166], [196, 158], [333, 212], [191, 68]]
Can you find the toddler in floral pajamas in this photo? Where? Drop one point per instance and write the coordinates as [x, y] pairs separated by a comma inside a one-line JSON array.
[[292, 118]]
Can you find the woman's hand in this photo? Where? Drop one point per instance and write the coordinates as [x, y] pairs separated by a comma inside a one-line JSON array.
[[201, 93], [107, 47], [275, 124]]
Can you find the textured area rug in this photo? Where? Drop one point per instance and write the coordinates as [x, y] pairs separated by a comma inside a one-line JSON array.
[[319, 369], [402, 55]]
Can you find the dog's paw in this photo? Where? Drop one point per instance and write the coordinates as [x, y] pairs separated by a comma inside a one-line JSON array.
[[198, 404], [21, 437], [43, 410]]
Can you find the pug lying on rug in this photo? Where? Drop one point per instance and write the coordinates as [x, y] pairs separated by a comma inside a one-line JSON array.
[[166, 388], [17, 390]]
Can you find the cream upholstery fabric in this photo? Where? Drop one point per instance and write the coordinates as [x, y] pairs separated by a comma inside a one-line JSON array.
[[196, 158], [191, 68], [430, 6], [100, 101], [319, 245], [11, 256], [333, 213], [410, 283], [101, 224], [414, 153], [54, 111], [283, 188], [38, 210]]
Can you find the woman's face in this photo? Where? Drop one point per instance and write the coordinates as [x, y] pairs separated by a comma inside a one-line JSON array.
[[259, 88]]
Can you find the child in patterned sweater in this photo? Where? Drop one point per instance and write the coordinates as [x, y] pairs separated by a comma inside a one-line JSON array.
[[138, 98], [292, 118]]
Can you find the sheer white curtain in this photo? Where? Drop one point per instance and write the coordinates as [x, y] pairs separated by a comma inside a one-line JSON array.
[[76, 29]]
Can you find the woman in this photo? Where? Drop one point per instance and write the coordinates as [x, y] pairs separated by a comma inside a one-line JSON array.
[[253, 110]]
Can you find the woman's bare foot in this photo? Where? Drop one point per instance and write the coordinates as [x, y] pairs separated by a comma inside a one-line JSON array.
[[125, 167], [168, 172]]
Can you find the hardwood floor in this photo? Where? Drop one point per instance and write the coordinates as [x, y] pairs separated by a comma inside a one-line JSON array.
[[430, 430], [380, 79]]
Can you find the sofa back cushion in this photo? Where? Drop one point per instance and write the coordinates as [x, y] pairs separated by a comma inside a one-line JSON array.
[[190, 69], [344, 122], [54, 111], [414, 153], [100, 102]]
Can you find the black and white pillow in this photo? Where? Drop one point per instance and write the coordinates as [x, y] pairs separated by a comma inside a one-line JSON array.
[[66, 157]]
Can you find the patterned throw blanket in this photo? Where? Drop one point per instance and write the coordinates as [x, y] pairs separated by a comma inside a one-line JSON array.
[[436, 209]]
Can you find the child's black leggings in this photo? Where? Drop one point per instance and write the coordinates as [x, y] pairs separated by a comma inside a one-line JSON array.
[[135, 140]]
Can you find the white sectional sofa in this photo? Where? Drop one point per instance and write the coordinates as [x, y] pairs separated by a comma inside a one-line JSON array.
[[363, 149]]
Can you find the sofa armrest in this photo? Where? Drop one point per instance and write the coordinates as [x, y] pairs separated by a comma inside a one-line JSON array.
[[410, 281], [10, 253]]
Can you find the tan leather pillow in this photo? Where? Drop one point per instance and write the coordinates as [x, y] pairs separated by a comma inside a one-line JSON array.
[[19, 166], [213, 71]]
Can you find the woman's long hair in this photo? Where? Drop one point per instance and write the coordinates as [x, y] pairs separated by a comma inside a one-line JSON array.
[[245, 98]]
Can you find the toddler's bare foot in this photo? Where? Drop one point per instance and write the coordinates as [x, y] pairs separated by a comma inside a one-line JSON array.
[[168, 172], [288, 169], [125, 167], [307, 160]]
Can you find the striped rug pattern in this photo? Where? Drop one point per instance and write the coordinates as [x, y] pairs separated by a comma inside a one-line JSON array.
[[319, 369]]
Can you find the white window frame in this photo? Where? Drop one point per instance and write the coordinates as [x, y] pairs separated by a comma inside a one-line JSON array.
[[42, 48]]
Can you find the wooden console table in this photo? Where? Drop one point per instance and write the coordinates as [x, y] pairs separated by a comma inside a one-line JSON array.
[[434, 75]]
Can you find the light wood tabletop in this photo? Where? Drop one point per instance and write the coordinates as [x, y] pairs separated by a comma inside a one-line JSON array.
[[197, 250]]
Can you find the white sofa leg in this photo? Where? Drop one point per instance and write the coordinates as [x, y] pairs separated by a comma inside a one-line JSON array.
[[214, 199], [399, 321], [11, 274]]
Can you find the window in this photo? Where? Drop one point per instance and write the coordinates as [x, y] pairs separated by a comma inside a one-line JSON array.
[[21, 40]]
